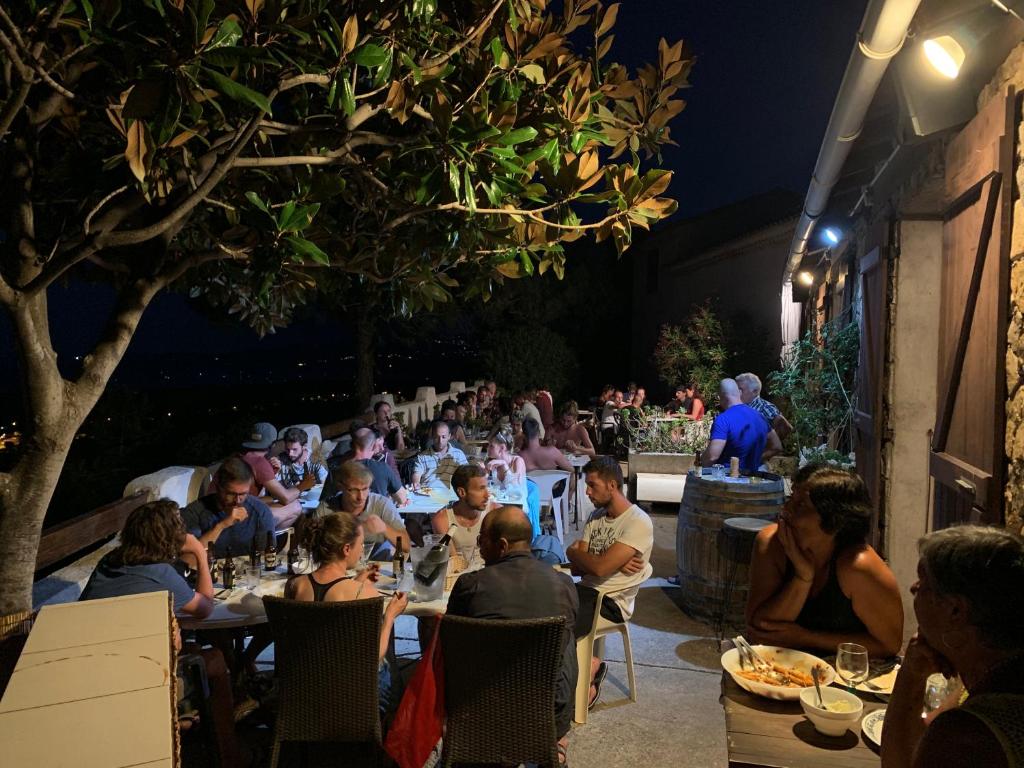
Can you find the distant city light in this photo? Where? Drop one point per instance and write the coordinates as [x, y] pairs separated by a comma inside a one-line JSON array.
[[832, 236]]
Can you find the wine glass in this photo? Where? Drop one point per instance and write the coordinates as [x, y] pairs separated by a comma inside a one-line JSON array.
[[852, 663], [364, 559]]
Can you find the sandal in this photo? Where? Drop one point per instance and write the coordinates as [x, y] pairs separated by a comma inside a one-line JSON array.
[[563, 756], [599, 676]]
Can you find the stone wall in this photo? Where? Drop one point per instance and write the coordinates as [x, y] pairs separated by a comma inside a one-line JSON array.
[[1012, 73]]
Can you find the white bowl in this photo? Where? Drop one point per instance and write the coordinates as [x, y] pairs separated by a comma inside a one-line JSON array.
[[799, 660], [828, 722]]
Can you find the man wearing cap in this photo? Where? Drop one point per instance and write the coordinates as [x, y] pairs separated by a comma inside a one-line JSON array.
[[283, 502]]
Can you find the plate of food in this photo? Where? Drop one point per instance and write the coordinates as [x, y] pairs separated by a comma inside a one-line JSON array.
[[871, 726], [784, 675]]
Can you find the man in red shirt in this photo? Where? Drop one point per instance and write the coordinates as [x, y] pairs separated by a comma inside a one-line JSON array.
[[283, 502]]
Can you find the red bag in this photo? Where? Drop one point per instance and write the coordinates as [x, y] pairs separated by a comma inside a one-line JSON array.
[[414, 739]]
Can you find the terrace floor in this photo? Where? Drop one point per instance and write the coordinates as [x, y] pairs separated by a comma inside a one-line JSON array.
[[676, 722]]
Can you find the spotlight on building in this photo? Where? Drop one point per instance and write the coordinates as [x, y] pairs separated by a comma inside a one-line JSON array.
[[805, 278], [945, 55], [832, 236]]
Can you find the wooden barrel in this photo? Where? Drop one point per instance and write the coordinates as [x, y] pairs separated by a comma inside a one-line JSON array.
[[711, 569]]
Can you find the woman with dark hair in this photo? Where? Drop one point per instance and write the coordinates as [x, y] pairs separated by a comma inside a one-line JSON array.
[[968, 600], [335, 544], [693, 403], [815, 581], [501, 459]]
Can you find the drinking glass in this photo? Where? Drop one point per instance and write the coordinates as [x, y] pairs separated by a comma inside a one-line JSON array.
[[937, 689], [718, 471], [252, 577], [364, 558], [301, 560], [852, 663]]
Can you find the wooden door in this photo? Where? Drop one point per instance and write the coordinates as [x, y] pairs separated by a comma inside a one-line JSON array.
[[867, 426], [968, 459]]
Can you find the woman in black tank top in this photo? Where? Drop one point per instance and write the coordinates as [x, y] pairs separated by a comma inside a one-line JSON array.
[[815, 581], [335, 543]]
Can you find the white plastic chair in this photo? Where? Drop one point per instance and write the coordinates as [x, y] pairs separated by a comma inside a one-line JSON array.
[[546, 480], [592, 643]]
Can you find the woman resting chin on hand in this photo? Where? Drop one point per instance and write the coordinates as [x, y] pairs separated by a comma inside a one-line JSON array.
[[815, 582]]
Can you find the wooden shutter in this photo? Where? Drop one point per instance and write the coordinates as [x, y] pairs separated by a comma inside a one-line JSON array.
[[967, 461], [867, 426]]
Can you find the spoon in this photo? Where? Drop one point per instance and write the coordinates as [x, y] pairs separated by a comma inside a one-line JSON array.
[[817, 686]]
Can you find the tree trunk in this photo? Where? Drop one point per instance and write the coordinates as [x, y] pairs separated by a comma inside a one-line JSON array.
[[25, 495], [366, 359]]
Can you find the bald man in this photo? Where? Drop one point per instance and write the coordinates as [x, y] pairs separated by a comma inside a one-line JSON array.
[[514, 585], [739, 431]]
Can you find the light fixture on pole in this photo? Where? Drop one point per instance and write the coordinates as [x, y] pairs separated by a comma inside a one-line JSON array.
[[832, 236], [945, 55], [805, 278]]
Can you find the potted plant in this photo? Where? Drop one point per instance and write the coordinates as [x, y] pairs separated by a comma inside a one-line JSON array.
[[665, 444]]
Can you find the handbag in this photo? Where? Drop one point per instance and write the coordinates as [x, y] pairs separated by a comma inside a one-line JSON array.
[[414, 739]]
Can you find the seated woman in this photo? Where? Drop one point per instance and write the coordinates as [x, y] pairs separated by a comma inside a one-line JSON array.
[[814, 580], [969, 603], [509, 467], [695, 409], [335, 544]]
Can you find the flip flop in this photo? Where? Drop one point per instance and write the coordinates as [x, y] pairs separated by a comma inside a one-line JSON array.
[[673, 580], [599, 676]]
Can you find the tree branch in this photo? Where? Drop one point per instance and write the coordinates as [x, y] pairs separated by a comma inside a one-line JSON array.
[[466, 40]]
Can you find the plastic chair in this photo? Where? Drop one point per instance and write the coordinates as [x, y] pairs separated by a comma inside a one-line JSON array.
[[500, 680], [326, 661], [592, 643], [552, 485]]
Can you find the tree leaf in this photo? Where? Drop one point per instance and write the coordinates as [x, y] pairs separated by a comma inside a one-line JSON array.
[[254, 7], [228, 33], [138, 149], [518, 136], [467, 185], [253, 198], [534, 72], [608, 20], [371, 55], [350, 35], [348, 98], [304, 247], [526, 261], [238, 92], [509, 269]]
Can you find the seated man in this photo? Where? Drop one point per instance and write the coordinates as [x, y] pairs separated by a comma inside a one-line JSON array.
[[740, 431], [679, 402], [229, 517], [382, 525], [385, 480], [439, 462], [539, 456], [612, 555], [613, 403], [283, 502], [295, 468], [523, 402], [450, 415], [154, 537], [568, 434], [390, 427], [462, 519], [750, 393], [514, 585]]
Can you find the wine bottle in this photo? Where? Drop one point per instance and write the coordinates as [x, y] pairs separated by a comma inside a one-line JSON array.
[[211, 561], [270, 553], [229, 571], [434, 561], [293, 552]]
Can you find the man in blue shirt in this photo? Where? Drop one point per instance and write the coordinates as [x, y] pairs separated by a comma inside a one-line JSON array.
[[739, 431], [229, 517]]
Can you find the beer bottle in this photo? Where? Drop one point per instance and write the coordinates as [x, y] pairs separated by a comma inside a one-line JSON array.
[[211, 560], [398, 563], [254, 551], [229, 572], [270, 553]]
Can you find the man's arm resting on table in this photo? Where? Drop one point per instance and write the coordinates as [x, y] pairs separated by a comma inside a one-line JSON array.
[[281, 494], [608, 562], [199, 607]]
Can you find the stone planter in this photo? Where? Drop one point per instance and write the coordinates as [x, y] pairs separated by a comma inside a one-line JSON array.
[[660, 463]]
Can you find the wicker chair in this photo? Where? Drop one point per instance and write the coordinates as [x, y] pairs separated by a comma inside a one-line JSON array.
[[14, 629], [326, 657], [500, 678]]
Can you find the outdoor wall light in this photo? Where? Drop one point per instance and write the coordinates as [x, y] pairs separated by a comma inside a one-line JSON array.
[[945, 54], [805, 278], [832, 236]]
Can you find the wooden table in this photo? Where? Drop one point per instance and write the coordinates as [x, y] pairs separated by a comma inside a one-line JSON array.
[[763, 732], [93, 687]]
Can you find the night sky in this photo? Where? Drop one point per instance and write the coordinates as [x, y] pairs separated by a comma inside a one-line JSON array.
[[762, 89]]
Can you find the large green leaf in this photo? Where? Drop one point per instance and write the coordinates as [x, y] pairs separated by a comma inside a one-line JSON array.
[[237, 91], [518, 136], [371, 55], [310, 250]]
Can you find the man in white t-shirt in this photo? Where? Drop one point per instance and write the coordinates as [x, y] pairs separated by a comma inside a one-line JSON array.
[[613, 555]]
